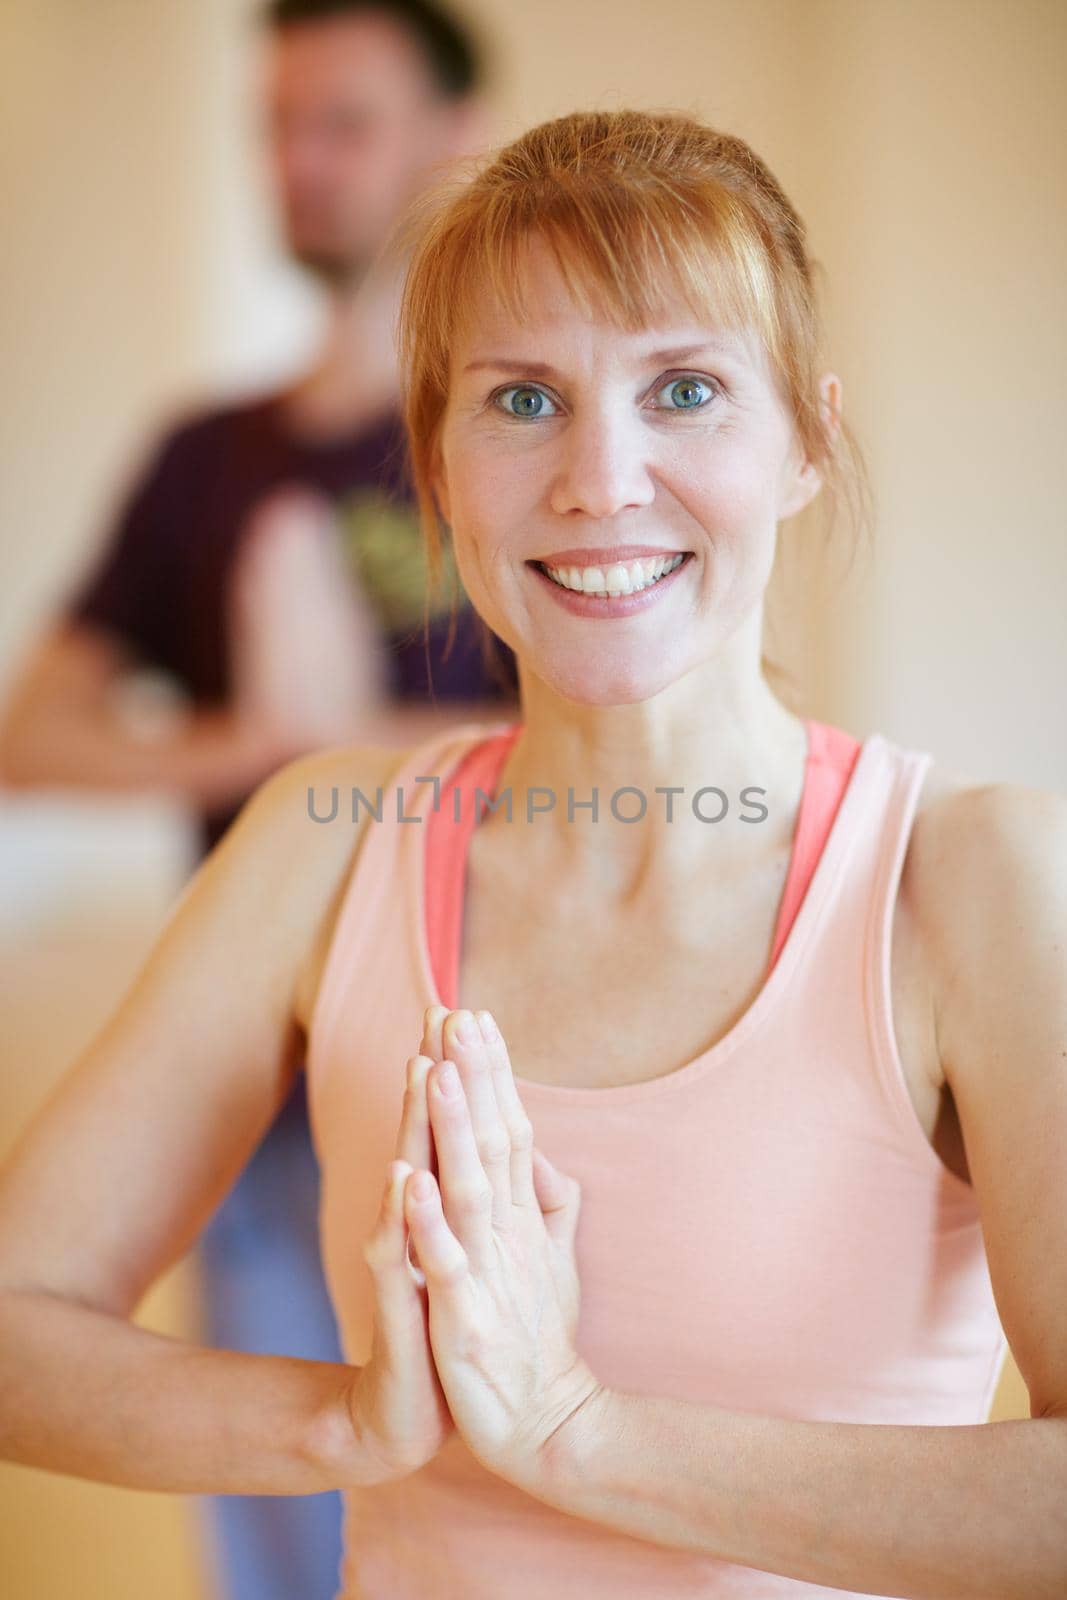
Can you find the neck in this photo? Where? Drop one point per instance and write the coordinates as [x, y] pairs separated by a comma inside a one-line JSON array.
[[354, 379], [720, 727]]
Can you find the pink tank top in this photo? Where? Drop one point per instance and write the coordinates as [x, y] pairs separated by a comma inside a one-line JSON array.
[[765, 1229]]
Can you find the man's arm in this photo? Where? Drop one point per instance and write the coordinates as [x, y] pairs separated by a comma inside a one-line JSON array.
[[62, 727]]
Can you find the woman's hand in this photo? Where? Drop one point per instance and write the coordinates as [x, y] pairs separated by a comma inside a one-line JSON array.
[[398, 1410], [495, 1236]]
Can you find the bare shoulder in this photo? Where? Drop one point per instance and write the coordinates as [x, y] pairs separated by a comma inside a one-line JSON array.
[[986, 875], [304, 791], [973, 843]]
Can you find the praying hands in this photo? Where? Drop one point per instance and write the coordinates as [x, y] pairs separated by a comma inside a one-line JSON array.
[[479, 1334]]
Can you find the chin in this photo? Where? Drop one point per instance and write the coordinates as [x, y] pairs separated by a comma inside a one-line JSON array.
[[332, 267]]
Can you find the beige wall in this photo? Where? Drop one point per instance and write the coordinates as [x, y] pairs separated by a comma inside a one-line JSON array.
[[941, 212], [100, 290], [922, 140]]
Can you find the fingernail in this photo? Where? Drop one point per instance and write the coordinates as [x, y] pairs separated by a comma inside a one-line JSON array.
[[447, 1078], [465, 1028], [488, 1026], [422, 1186]]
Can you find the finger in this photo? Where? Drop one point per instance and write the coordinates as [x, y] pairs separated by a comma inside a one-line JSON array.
[[398, 1307], [432, 1021], [520, 1129], [444, 1259], [414, 1264], [466, 1193], [465, 1046], [414, 1140], [560, 1200]]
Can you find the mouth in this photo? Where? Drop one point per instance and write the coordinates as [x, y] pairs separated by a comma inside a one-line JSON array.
[[608, 596], [612, 580]]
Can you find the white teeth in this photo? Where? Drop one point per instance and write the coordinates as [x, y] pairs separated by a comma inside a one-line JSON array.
[[618, 579]]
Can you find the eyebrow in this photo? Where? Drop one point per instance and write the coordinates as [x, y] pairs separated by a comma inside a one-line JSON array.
[[725, 344]]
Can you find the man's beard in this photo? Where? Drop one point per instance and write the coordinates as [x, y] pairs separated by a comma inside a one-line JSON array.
[[340, 274]]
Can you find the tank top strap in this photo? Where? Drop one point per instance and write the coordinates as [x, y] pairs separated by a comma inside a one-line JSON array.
[[380, 907], [469, 787], [832, 755], [839, 996], [888, 780], [904, 772]]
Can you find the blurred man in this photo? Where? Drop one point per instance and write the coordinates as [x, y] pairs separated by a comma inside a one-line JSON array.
[[268, 560]]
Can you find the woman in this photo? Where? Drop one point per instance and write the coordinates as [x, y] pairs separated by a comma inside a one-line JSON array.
[[769, 1019]]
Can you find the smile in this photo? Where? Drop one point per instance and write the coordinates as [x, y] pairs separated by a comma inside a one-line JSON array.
[[599, 594], [621, 578]]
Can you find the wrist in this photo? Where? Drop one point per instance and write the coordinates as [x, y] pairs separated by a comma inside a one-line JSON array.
[[338, 1444], [569, 1452]]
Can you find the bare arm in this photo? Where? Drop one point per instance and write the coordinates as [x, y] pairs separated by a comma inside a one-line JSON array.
[[61, 727], [120, 1169]]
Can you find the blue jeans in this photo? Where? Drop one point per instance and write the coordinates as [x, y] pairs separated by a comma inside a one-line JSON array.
[[264, 1292]]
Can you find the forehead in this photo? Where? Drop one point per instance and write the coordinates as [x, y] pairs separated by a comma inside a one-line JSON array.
[[548, 312], [347, 58]]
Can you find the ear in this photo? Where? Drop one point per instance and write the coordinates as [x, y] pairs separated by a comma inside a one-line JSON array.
[[807, 480], [830, 404]]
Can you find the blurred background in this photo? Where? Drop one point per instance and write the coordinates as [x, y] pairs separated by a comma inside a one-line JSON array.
[[922, 141]]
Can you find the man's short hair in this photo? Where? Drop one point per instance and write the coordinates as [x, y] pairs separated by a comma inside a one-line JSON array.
[[448, 48]]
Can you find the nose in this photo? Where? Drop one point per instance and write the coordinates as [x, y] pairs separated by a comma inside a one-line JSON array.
[[603, 468]]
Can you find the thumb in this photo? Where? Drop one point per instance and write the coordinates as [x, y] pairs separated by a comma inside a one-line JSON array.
[[560, 1200], [398, 1305]]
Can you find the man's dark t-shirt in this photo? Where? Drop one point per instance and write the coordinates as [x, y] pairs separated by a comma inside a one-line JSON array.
[[162, 582]]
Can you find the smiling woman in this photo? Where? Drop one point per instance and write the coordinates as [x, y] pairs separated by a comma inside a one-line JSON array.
[[763, 1077], [644, 224], [682, 1184]]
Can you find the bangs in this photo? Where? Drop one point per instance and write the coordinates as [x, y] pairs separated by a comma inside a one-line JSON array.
[[632, 258], [629, 252], [629, 256]]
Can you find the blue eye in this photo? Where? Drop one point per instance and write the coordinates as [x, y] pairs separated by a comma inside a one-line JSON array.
[[525, 401], [687, 394]]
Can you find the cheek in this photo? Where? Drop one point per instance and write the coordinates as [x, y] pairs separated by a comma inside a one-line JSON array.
[[378, 165], [488, 578], [471, 499], [491, 495], [732, 493]]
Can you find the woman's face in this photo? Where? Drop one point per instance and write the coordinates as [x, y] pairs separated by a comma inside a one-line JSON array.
[[572, 445]]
